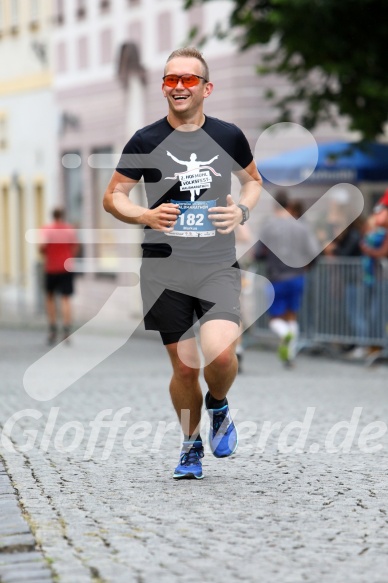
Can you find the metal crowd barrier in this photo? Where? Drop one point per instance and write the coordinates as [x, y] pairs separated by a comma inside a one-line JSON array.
[[344, 303]]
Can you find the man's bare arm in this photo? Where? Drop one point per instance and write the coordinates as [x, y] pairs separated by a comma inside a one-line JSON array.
[[251, 184], [117, 202]]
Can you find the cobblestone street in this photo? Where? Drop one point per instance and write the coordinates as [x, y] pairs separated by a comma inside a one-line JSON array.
[[297, 503]]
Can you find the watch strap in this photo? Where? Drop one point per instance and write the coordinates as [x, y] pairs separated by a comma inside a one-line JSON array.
[[245, 213]]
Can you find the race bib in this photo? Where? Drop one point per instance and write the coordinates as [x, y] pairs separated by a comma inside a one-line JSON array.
[[193, 220]]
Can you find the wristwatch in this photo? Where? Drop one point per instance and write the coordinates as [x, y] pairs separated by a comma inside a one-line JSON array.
[[245, 213]]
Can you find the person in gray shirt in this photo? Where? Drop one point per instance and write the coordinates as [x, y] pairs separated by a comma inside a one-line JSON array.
[[287, 245]]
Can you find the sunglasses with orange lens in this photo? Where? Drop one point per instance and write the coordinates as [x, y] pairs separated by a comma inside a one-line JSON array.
[[186, 80]]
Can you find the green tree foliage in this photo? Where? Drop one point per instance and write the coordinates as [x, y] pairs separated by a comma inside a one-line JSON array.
[[333, 53]]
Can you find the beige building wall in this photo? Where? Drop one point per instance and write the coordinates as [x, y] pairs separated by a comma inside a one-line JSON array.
[[27, 144]]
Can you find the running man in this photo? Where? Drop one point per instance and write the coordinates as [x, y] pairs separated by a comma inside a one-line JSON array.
[[194, 275]]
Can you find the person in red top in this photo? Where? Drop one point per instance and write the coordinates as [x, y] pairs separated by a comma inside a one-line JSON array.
[[381, 211], [58, 245]]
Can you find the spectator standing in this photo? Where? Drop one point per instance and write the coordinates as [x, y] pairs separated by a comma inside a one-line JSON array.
[[58, 245], [297, 243], [347, 243], [374, 246], [381, 211], [347, 289]]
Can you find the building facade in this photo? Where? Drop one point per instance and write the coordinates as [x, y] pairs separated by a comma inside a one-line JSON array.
[[27, 144], [78, 78]]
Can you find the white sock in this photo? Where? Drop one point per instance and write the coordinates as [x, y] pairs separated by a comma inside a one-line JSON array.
[[279, 327], [293, 327], [294, 330], [239, 349]]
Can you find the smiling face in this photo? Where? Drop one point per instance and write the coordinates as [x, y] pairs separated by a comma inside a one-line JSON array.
[[186, 103]]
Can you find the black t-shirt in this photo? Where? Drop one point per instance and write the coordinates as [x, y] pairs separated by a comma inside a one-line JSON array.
[[194, 169]]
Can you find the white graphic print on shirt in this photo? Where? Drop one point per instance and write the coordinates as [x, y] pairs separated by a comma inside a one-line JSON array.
[[195, 177]]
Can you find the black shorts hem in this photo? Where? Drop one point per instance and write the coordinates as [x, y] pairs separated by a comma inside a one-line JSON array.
[[174, 337], [221, 316]]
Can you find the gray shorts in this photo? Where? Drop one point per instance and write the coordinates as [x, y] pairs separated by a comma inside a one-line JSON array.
[[176, 293]]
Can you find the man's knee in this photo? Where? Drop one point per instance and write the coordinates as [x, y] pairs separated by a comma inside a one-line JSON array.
[[224, 359], [186, 373]]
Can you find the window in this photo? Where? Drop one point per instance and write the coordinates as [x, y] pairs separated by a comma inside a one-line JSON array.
[[72, 180], [39, 207], [34, 10], [195, 23], [1, 18], [61, 58], [135, 34], [106, 250], [81, 9], [83, 53], [164, 31], [34, 14], [104, 5], [15, 16], [3, 131], [39, 203], [60, 14], [21, 228], [105, 46], [5, 233]]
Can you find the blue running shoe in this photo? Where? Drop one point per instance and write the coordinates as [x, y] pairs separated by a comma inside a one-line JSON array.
[[223, 433], [190, 465]]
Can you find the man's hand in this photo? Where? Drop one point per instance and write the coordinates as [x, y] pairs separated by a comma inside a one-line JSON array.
[[226, 218], [161, 218]]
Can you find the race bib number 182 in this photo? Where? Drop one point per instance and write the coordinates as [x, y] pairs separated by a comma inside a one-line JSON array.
[[193, 220]]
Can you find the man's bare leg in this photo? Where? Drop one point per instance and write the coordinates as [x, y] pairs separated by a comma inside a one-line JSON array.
[[218, 343], [52, 317], [66, 316], [185, 390], [50, 309], [66, 311], [187, 399]]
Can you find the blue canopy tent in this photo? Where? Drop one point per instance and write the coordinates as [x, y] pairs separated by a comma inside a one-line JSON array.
[[337, 162]]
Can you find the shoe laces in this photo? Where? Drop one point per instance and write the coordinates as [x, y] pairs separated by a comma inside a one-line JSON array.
[[218, 419], [191, 456]]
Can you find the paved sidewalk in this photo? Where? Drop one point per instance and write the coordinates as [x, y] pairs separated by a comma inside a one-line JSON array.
[[20, 561], [110, 512]]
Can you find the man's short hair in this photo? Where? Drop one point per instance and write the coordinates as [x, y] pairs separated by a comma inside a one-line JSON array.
[[58, 214], [191, 52]]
